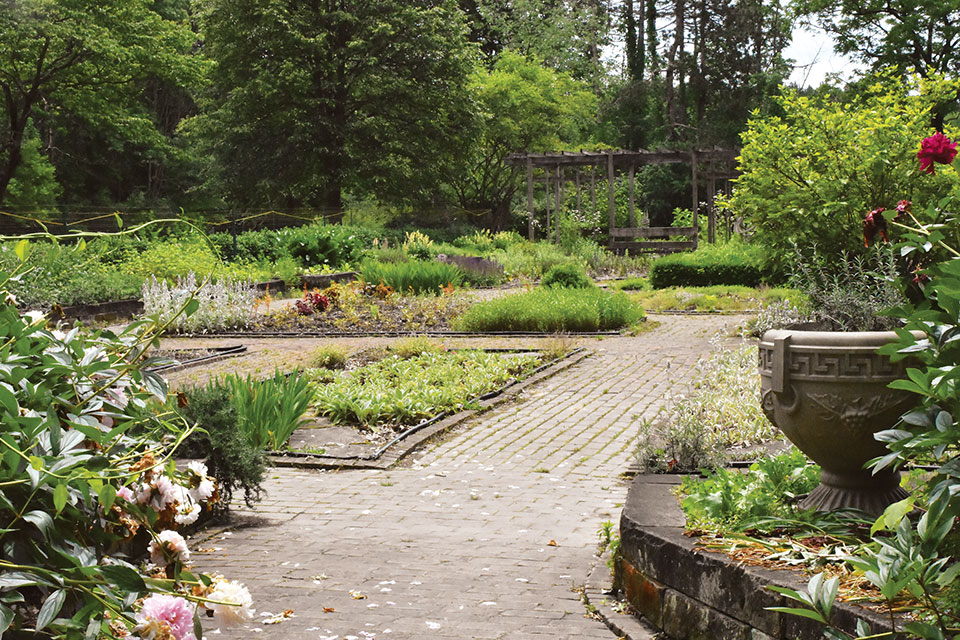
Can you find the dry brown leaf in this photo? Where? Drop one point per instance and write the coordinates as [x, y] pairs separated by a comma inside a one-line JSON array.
[[329, 610], [552, 543]]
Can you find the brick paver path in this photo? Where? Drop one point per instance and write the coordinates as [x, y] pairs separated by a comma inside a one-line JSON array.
[[484, 535]]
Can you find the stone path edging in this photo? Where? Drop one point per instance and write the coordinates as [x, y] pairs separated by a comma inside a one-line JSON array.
[[404, 447]]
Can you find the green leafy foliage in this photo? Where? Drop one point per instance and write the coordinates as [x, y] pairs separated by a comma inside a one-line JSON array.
[[398, 391], [733, 263], [317, 245], [412, 277], [86, 467], [730, 500], [553, 310]]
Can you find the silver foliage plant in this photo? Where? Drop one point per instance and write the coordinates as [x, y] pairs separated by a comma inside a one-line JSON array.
[[718, 415], [225, 304]]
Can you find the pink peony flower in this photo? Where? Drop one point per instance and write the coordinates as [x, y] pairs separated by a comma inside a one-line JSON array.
[[903, 208], [163, 613], [937, 148], [873, 224], [126, 494], [169, 546]]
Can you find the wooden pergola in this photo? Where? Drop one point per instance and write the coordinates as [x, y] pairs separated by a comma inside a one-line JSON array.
[[717, 164]]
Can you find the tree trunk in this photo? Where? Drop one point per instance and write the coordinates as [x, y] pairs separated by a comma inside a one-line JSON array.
[[673, 99]]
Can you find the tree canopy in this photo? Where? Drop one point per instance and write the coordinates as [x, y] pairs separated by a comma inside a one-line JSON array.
[[83, 62], [310, 99]]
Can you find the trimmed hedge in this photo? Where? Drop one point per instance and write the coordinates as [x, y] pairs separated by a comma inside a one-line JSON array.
[[731, 264]]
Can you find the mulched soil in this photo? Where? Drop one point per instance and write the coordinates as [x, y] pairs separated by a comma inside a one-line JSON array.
[[370, 315]]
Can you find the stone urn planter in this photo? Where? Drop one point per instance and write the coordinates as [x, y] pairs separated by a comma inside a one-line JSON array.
[[827, 391]]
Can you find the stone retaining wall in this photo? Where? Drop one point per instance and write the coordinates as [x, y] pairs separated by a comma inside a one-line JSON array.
[[697, 595]]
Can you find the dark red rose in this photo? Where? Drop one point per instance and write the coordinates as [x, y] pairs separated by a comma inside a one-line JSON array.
[[873, 224], [936, 148]]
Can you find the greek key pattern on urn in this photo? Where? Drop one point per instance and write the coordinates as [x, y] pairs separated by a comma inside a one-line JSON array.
[[835, 366]]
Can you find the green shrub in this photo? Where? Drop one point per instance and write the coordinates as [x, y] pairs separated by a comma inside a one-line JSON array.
[[812, 174], [728, 500], [419, 246], [88, 481], [412, 277], [169, 259], [390, 254], [415, 346], [553, 310], [315, 245], [632, 284], [329, 356], [567, 276], [67, 274], [233, 459], [734, 263]]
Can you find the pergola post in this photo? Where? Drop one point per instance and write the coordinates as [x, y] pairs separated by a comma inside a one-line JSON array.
[[576, 179], [593, 190], [711, 211], [556, 212], [530, 198], [546, 184], [696, 197], [611, 195]]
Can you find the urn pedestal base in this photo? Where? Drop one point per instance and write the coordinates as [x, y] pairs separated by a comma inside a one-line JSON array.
[[868, 493]]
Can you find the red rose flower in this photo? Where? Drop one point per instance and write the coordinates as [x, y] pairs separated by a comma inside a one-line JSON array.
[[936, 148], [873, 224]]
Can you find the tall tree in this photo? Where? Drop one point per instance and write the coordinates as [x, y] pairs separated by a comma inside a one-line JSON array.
[[914, 36], [525, 107], [567, 35], [82, 60], [310, 99]]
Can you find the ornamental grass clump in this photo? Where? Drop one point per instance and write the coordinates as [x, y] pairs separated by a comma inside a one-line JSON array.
[[414, 277], [226, 304], [552, 311]]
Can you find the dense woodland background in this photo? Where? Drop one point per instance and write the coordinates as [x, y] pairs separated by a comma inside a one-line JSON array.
[[218, 106]]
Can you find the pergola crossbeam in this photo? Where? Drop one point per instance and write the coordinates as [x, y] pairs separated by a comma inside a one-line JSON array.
[[552, 167]]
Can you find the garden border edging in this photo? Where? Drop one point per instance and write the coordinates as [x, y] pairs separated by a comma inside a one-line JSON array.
[[404, 447], [692, 594]]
